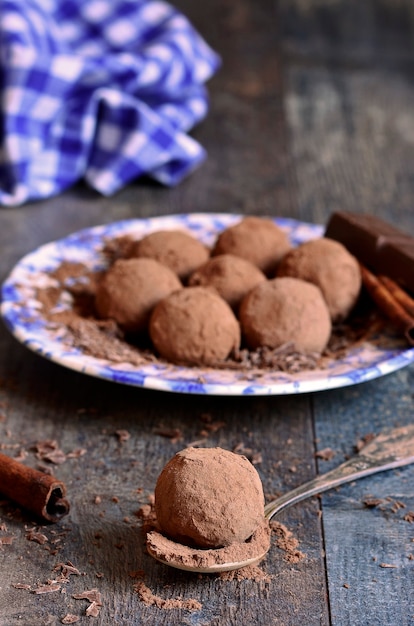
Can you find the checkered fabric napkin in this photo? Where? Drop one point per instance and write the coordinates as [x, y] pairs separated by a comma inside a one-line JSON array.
[[104, 90]]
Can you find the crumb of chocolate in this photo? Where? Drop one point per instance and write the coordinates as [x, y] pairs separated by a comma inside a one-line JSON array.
[[364, 441], [93, 609], [287, 542], [174, 434], [326, 454], [372, 502], [69, 618], [388, 566], [37, 537], [123, 435], [409, 517], [250, 572], [6, 540], [94, 597], [67, 569], [49, 450], [50, 587], [150, 599]]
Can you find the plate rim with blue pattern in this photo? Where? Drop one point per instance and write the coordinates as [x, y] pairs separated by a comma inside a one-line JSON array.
[[22, 314]]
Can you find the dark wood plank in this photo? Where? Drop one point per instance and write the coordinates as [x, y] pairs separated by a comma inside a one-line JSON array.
[[359, 540]]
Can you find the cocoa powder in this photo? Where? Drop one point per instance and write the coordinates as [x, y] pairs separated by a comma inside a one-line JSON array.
[[173, 552]]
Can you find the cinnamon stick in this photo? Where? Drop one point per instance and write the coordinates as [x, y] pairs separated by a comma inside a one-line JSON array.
[[389, 304], [34, 491], [406, 301]]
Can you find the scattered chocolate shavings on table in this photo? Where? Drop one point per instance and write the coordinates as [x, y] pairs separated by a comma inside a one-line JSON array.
[[21, 456], [287, 542], [123, 435], [7, 540], [67, 569], [364, 441], [255, 458], [210, 425], [388, 505], [69, 618], [21, 586], [94, 597], [93, 609], [49, 450], [174, 434], [38, 537], [150, 599], [371, 503], [50, 587], [326, 454], [75, 454], [250, 572]]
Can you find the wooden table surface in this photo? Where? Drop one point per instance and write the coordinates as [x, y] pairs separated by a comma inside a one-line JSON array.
[[311, 112]]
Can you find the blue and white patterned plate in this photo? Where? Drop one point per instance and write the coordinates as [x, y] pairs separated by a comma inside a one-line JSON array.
[[22, 313]]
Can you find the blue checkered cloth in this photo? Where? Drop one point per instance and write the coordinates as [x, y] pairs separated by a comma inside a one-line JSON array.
[[100, 90]]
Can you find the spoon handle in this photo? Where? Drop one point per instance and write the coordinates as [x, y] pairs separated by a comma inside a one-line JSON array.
[[391, 449]]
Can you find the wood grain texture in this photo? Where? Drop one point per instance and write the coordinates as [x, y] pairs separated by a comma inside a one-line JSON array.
[[311, 111]]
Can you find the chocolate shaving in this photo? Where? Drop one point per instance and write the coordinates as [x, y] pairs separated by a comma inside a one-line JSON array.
[[150, 599], [287, 542], [69, 618], [326, 454]]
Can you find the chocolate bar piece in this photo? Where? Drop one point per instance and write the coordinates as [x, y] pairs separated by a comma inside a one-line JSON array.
[[383, 248]]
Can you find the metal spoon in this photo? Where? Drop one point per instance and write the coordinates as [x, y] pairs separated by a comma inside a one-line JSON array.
[[391, 449]]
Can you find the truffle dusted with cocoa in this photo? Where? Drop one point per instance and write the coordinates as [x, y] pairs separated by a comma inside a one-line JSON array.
[[176, 249], [256, 239], [330, 266], [194, 326], [131, 288], [209, 498], [286, 311], [231, 276]]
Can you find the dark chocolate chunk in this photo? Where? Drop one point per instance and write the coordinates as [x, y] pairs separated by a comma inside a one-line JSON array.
[[380, 246]]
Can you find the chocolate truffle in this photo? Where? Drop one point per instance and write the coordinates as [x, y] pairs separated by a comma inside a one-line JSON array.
[[176, 249], [285, 310], [255, 239], [209, 498], [130, 289], [194, 326], [329, 265], [230, 275]]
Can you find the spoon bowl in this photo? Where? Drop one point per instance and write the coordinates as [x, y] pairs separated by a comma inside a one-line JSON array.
[[391, 449]]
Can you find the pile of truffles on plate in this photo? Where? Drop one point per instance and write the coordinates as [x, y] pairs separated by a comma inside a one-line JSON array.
[[251, 289]]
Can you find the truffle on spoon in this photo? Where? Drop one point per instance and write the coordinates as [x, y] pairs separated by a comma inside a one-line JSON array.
[[209, 505]]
